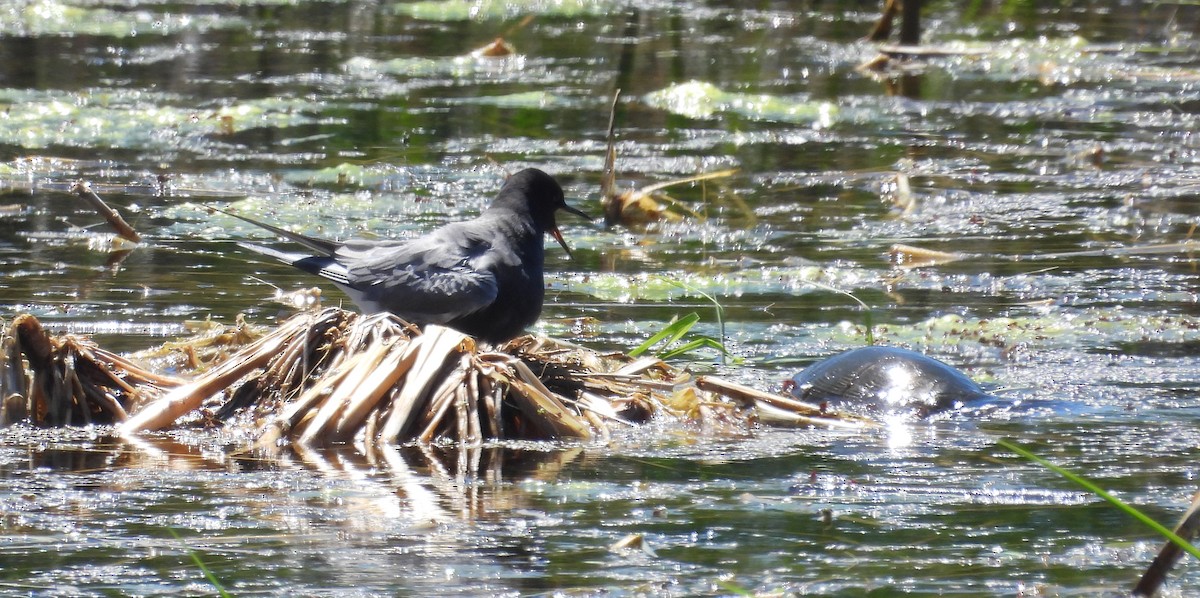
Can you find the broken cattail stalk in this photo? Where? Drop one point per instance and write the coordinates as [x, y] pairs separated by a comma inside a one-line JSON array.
[[289, 418], [336, 377], [439, 344], [438, 407], [36, 344], [391, 368], [549, 405], [473, 398], [84, 191], [770, 414], [109, 403], [333, 405], [181, 400], [47, 400], [442, 399], [462, 423], [13, 379], [751, 398], [71, 396], [907, 257], [495, 397], [1156, 574]]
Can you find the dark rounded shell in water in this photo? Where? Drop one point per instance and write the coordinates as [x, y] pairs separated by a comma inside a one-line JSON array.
[[885, 380]]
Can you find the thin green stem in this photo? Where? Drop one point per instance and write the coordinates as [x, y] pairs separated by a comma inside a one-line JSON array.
[[867, 317], [719, 308], [199, 563], [1098, 491]]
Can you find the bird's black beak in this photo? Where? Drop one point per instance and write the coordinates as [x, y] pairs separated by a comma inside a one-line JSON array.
[[577, 212]]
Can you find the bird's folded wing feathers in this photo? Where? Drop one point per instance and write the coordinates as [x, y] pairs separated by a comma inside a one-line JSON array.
[[362, 250], [428, 293], [436, 278]]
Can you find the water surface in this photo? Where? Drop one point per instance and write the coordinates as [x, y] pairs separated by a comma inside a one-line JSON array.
[[1051, 142]]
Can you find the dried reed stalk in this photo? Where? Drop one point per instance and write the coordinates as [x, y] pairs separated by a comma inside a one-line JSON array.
[[780, 407], [188, 397], [439, 343], [70, 381], [84, 191]]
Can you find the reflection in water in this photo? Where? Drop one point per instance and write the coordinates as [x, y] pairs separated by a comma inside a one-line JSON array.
[[418, 510], [421, 484], [898, 428]]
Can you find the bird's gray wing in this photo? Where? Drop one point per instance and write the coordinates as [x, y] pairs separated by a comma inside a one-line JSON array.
[[433, 279]]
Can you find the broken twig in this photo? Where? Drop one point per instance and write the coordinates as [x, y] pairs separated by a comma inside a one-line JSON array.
[[84, 191]]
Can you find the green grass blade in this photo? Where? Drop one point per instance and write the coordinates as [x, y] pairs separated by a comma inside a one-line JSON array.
[[733, 588], [867, 319], [687, 323], [1098, 491], [204, 568], [720, 309], [692, 345], [675, 330]]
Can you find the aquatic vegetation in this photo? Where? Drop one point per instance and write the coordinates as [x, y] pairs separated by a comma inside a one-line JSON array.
[[1055, 178], [1051, 61], [625, 288], [199, 562], [452, 66], [673, 332], [84, 191], [699, 99], [70, 381], [537, 100], [1098, 491], [1152, 581], [34, 166], [208, 344], [380, 199], [339, 215], [462, 10], [647, 204], [52, 17], [1054, 328], [349, 175], [332, 376], [120, 118]]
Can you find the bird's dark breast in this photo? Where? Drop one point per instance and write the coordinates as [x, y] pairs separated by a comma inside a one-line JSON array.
[[517, 306], [886, 380]]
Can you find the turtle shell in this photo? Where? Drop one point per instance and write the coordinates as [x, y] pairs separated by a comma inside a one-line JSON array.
[[885, 380]]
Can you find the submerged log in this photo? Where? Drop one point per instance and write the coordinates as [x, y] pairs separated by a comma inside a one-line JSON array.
[[334, 376]]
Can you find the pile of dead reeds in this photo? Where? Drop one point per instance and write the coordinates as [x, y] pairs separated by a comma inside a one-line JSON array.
[[68, 380], [332, 376]]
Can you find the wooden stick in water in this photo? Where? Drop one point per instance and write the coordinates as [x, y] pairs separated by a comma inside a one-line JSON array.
[[804, 412], [1154, 577], [84, 191]]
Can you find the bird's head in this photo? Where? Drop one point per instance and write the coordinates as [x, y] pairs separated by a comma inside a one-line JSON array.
[[536, 193]]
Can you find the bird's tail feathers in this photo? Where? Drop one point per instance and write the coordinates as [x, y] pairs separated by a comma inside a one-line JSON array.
[[321, 246], [322, 266], [287, 257]]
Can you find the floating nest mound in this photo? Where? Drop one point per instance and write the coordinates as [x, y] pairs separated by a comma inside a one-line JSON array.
[[333, 376]]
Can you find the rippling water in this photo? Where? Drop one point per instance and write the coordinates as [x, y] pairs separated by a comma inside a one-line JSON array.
[[1053, 147]]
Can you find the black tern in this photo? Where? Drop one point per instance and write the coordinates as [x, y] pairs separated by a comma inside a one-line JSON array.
[[482, 277]]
